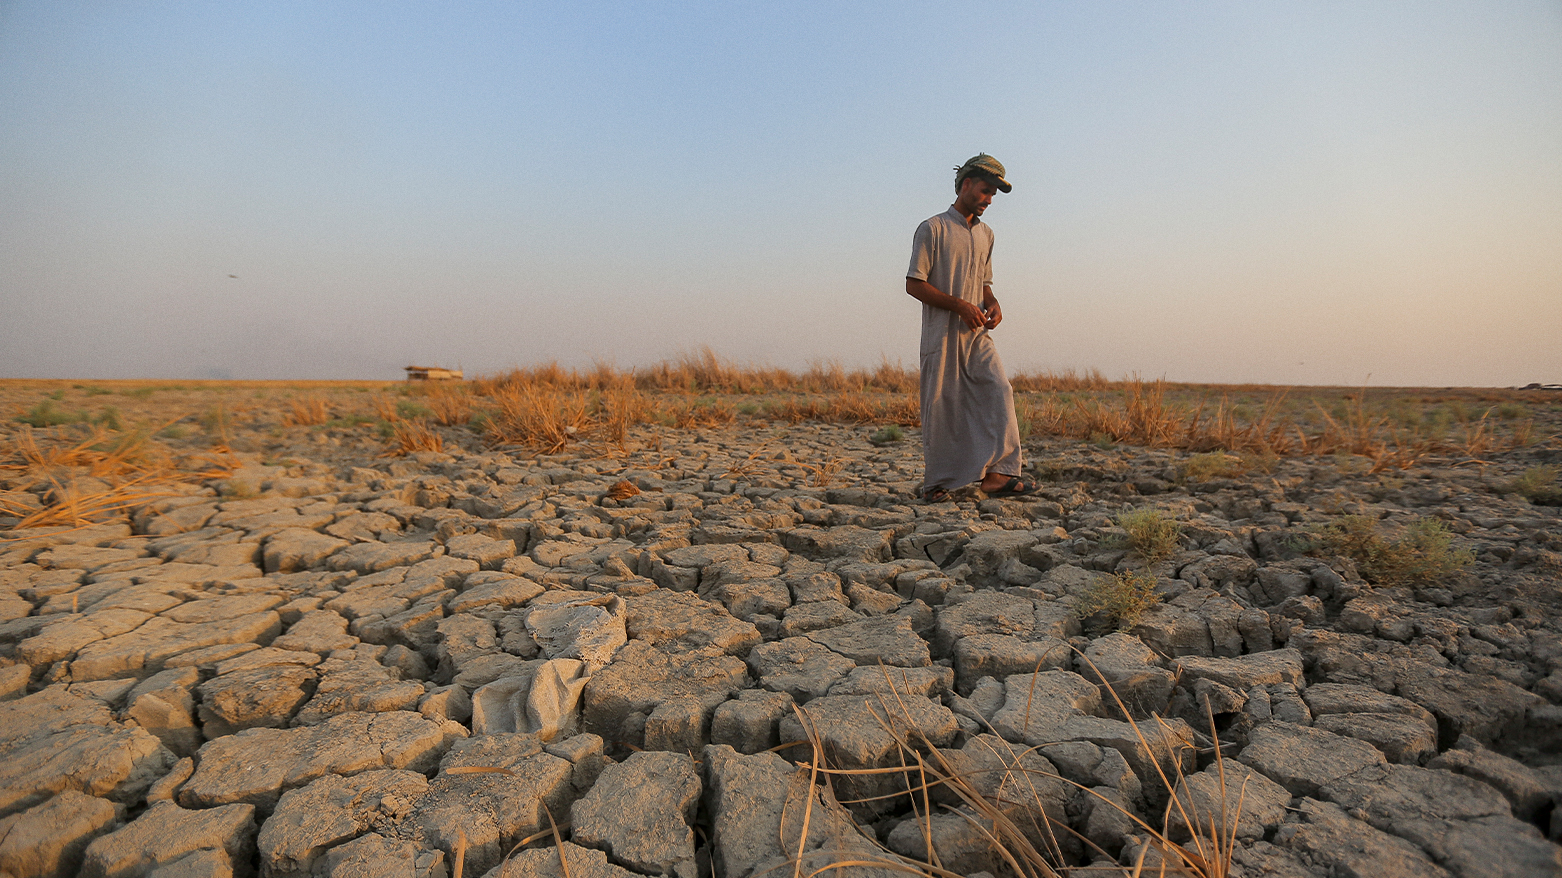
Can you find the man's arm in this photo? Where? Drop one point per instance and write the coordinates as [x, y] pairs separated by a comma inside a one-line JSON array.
[[970, 314]]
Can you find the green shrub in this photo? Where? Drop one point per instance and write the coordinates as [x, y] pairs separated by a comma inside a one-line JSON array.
[[1117, 602], [886, 435], [44, 414], [412, 410], [1214, 465], [139, 392], [1538, 484], [1423, 553], [1152, 535], [98, 391], [109, 418]]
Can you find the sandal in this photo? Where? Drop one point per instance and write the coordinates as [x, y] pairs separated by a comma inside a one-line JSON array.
[[1014, 487], [935, 495]]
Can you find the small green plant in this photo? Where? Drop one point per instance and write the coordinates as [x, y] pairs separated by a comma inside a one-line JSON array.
[[1214, 465], [109, 419], [1151, 534], [1509, 411], [139, 392], [386, 430], [412, 410], [1119, 601], [58, 395], [1102, 440], [44, 414], [173, 431], [887, 435], [1538, 484], [1423, 553], [98, 391]]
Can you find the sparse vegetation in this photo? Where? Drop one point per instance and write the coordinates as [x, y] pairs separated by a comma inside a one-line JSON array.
[[411, 410], [1151, 534], [44, 414], [887, 435], [1117, 602], [413, 436], [1422, 553], [217, 423], [1538, 484], [1213, 465], [307, 412]]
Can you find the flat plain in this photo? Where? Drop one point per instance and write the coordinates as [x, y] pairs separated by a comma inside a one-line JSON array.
[[617, 620]]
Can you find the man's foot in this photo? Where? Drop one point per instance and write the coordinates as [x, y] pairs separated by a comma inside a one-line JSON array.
[[1000, 485], [935, 495]]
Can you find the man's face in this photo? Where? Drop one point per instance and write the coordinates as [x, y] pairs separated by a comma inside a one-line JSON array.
[[975, 195]]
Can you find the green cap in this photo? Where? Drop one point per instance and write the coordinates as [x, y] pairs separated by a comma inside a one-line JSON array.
[[985, 164]]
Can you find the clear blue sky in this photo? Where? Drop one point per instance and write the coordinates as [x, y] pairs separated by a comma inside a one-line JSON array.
[[1301, 193]]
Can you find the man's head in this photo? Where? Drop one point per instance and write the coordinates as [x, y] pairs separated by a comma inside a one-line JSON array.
[[982, 166]]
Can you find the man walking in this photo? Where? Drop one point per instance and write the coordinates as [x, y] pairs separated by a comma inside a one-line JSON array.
[[969, 432]]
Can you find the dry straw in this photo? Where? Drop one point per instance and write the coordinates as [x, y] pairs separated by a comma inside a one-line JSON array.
[[1021, 833]]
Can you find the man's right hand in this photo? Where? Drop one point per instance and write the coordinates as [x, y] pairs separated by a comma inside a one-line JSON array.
[[969, 313], [973, 316]]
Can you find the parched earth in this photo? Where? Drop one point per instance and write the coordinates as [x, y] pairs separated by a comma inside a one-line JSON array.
[[343, 664]]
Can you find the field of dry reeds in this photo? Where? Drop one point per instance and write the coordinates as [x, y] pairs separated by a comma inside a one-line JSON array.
[[126, 440]]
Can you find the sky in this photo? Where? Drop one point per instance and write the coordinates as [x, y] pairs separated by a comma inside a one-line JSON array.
[[1340, 193]]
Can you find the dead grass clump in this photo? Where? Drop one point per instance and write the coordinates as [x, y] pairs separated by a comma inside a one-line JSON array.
[[306, 412], [622, 490], [413, 436], [1424, 552], [127, 471], [539, 418], [1067, 381], [450, 404], [685, 415], [1007, 807], [1117, 602]]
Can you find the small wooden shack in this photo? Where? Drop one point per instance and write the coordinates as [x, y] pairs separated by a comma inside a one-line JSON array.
[[432, 373]]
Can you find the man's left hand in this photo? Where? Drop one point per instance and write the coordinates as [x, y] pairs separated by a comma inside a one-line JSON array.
[[994, 314]]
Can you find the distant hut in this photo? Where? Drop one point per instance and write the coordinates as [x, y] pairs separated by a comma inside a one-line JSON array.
[[432, 373]]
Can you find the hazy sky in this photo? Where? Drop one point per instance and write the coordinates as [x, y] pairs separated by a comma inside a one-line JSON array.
[[1300, 193]]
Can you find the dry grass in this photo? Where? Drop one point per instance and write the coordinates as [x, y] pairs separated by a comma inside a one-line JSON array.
[[451, 404], [307, 412], [122, 472], [1020, 831], [413, 436]]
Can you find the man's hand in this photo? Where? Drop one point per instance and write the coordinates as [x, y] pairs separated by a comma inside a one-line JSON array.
[[972, 316], [994, 314]]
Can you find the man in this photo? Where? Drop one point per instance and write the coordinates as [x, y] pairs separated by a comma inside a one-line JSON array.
[[969, 432]]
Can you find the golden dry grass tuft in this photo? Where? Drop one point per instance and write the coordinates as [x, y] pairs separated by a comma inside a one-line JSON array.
[[102, 476], [307, 412], [413, 436], [1015, 820]]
